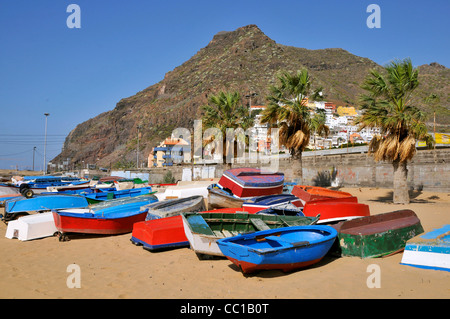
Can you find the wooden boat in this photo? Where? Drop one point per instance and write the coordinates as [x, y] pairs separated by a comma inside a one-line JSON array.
[[97, 197], [335, 211], [116, 216], [286, 209], [259, 203], [165, 233], [204, 229], [429, 251], [162, 233], [311, 193], [286, 248], [176, 206], [220, 198], [40, 203], [250, 182], [377, 235]]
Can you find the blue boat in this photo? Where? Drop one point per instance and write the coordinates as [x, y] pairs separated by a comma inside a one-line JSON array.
[[286, 248], [429, 251], [285, 209], [39, 203], [259, 203], [107, 195]]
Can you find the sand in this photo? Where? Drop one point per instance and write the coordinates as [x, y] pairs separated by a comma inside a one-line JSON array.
[[112, 267]]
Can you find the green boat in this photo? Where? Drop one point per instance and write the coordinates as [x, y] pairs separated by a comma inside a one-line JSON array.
[[204, 229], [378, 235]]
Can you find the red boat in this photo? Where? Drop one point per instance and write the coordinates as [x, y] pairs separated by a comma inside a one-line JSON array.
[[160, 233], [251, 182], [112, 217], [166, 233], [334, 210]]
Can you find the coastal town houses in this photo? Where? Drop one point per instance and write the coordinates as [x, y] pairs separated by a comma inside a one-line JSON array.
[[171, 151]]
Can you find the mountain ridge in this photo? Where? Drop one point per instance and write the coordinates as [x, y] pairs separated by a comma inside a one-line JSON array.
[[245, 60]]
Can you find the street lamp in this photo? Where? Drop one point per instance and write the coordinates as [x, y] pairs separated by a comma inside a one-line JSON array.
[[137, 149], [45, 143], [249, 96]]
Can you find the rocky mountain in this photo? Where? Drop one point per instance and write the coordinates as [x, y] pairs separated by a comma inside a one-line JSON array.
[[245, 60]]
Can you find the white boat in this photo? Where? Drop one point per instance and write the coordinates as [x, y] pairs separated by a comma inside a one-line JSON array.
[[183, 190], [429, 251], [32, 227]]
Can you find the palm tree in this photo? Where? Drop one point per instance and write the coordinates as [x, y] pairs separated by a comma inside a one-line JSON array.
[[287, 108], [226, 111], [318, 125], [387, 104]]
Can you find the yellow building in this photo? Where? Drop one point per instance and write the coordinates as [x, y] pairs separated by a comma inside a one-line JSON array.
[[346, 111]]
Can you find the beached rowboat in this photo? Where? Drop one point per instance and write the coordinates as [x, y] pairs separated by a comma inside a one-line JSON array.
[[116, 216], [251, 182], [378, 235], [287, 248], [259, 203], [429, 251], [220, 198], [334, 211], [204, 229]]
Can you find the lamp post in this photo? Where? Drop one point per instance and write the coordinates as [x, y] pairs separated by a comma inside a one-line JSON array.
[[45, 143], [137, 149], [34, 150], [249, 96]]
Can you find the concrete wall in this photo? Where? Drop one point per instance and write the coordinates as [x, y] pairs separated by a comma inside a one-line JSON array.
[[429, 170]]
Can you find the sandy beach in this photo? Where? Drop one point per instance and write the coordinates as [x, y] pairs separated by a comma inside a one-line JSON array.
[[112, 267]]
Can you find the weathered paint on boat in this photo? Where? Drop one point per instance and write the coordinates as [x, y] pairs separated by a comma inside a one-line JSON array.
[[378, 235], [287, 248], [157, 234], [312, 193], [219, 198], [176, 206], [335, 211], [259, 203], [204, 229], [115, 216], [429, 251], [101, 196], [250, 182]]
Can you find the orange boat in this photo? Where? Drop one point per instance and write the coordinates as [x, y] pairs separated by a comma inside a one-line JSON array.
[[313, 193]]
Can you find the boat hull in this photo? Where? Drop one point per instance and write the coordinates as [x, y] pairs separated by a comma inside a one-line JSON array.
[[251, 182], [378, 235], [260, 203], [218, 198], [333, 212], [286, 249], [157, 234], [429, 251], [313, 193], [204, 229], [101, 226]]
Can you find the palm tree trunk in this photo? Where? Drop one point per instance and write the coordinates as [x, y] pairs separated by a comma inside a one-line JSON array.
[[297, 167], [401, 194]]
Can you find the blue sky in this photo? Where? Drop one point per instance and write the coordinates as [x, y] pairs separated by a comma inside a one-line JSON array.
[[123, 47]]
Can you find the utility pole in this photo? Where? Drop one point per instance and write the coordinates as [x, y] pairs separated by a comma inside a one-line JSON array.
[[45, 144], [34, 150], [137, 149]]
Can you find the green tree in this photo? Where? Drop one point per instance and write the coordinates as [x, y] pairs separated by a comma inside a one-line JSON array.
[[387, 104], [287, 109], [225, 111]]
